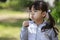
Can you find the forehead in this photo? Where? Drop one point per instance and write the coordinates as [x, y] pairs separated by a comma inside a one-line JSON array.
[[33, 9]]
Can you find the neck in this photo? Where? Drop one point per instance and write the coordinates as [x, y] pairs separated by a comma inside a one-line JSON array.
[[38, 22]]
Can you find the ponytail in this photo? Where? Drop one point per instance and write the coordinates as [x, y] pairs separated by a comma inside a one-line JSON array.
[[52, 24]]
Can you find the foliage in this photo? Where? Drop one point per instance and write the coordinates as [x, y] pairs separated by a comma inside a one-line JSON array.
[[56, 11]]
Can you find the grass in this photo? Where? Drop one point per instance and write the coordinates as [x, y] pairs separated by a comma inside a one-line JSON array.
[[7, 11], [16, 23], [10, 31]]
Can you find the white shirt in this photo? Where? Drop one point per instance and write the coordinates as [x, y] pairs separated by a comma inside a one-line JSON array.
[[33, 32]]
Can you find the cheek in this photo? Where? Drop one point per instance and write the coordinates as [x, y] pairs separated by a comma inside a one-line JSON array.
[[37, 16]]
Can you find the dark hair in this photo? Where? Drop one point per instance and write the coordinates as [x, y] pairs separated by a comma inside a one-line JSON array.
[[41, 5]]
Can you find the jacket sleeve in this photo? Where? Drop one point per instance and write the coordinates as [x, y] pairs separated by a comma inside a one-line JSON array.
[[52, 35], [24, 34]]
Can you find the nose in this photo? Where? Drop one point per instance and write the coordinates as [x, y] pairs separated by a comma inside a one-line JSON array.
[[31, 16]]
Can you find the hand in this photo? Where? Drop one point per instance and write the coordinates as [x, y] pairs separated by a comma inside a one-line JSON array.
[[25, 23]]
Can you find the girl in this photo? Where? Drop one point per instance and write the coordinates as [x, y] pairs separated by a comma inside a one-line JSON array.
[[41, 26]]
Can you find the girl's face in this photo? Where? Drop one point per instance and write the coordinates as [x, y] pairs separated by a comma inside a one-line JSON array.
[[36, 15]]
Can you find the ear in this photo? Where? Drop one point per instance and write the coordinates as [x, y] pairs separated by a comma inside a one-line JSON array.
[[44, 14]]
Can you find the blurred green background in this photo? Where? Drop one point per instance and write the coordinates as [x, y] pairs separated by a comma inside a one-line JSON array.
[[13, 13]]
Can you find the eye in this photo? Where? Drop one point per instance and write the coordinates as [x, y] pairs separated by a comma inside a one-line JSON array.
[[35, 10], [29, 11]]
